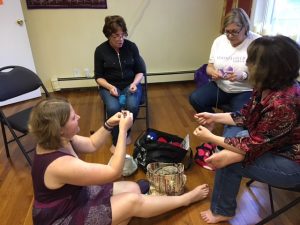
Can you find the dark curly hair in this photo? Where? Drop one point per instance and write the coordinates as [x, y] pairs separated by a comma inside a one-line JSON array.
[[273, 62], [112, 24]]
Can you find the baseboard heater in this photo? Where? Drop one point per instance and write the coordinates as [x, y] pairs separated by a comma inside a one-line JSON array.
[[62, 83]]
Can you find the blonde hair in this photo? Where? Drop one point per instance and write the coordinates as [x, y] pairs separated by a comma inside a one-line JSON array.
[[46, 120]]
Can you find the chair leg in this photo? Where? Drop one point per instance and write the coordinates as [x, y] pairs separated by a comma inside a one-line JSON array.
[[273, 212], [16, 138], [270, 194], [249, 182], [5, 140], [280, 211], [271, 198], [104, 113], [147, 117], [24, 152]]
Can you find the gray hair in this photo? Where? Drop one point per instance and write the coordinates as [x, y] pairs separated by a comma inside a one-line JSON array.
[[239, 17]]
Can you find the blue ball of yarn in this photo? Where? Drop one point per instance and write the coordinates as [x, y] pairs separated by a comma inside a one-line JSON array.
[[122, 100], [151, 136]]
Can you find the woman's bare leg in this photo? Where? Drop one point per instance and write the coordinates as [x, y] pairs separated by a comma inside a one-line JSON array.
[[128, 205], [126, 186]]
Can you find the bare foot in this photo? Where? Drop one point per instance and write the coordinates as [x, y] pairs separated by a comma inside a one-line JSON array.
[[112, 149], [197, 194], [224, 158], [209, 217]]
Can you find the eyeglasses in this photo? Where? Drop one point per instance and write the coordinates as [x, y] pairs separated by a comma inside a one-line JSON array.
[[233, 32], [118, 36]]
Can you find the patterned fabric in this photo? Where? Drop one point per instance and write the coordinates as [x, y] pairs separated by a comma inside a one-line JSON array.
[[202, 153], [70, 204], [273, 124]]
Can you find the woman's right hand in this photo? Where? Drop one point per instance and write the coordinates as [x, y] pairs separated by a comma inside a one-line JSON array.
[[205, 119], [113, 91], [126, 120], [114, 120], [216, 74]]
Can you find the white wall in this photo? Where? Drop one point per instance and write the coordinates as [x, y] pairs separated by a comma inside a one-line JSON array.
[[172, 35]]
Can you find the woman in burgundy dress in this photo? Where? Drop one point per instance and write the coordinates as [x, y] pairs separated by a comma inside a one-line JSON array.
[[70, 191]]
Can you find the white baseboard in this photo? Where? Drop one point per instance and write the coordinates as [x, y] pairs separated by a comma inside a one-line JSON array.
[[83, 82]]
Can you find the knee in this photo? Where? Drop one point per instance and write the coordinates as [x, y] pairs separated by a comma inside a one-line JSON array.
[[195, 101], [134, 199], [133, 108], [133, 188], [192, 99]]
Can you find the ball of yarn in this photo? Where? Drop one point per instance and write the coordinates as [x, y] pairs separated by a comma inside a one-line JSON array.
[[122, 100], [161, 139], [151, 136]]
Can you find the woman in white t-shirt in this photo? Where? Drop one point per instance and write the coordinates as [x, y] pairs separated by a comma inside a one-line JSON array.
[[227, 69]]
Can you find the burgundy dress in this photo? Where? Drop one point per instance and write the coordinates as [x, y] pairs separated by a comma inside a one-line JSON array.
[[70, 204]]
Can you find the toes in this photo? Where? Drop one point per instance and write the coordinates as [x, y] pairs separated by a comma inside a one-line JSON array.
[[204, 186]]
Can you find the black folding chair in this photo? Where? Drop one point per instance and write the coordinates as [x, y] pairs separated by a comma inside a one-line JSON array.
[[16, 81], [282, 209]]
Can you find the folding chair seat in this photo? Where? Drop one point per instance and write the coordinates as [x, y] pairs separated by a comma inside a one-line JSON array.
[[276, 213], [16, 81]]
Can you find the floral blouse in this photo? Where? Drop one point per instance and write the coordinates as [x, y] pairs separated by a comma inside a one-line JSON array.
[[273, 124]]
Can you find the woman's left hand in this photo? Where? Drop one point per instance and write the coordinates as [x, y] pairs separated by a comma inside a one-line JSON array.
[[132, 88], [203, 133], [233, 76]]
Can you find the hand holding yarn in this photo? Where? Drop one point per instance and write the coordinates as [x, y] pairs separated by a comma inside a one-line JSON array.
[[226, 71]]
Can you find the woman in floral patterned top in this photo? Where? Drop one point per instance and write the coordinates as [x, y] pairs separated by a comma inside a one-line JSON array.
[[269, 148]]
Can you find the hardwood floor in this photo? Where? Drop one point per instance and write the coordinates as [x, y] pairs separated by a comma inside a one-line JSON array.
[[171, 112]]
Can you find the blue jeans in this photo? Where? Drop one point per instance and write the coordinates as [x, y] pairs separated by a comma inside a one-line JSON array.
[[268, 168], [208, 96], [113, 106]]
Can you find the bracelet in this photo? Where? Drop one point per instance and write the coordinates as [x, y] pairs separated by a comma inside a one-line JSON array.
[[244, 75], [107, 124], [107, 127]]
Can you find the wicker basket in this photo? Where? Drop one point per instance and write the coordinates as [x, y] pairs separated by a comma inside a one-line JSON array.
[[166, 178]]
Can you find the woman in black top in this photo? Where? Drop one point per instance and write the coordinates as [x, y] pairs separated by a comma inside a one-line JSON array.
[[119, 70]]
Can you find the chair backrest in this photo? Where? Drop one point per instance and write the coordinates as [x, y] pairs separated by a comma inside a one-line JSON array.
[[18, 80], [142, 61], [144, 84]]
